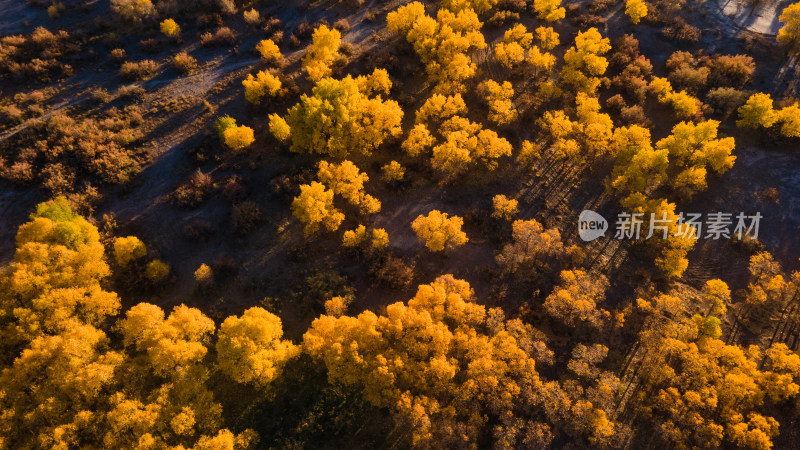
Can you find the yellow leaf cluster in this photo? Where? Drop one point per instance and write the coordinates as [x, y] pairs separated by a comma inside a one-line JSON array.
[[340, 118], [789, 34], [504, 208], [499, 98], [394, 171], [346, 180], [314, 207], [636, 10], [439, 232], [441, 43], [170, 28], [323, 52], [549, 10], [583, 62], [269, 50], [264, 83], [250, 348], [685, 105], [127, 249]]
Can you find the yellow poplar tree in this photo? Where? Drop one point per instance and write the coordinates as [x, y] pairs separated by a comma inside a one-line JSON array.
[[517, 46], [439, 108], [346, 180], [170, 28], [757, 112], [789, 34], [269, 50], [693, 148], [339, 119], [638, 166], [127, 249], [394, 171], [433, 351], [55, 276], [516, 41], [583, 62], [238, 137], [685, 105], [250, 348], [263, 84], [442, 43], [789, 118], [549, 10], [439, 231], [636, 10], [575, 298], [323, 52], [464, 143], [504, 207], [499, 98], [314, 207]]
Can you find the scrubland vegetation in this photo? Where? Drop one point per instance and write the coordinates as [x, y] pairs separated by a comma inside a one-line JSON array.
[[233, 225]]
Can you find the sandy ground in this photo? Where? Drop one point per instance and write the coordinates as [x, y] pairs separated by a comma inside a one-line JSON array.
[[14, 15], [762, 19]]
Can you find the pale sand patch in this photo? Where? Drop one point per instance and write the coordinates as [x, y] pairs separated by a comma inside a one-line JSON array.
[[762, 19]]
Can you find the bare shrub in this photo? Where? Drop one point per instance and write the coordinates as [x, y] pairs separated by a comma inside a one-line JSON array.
[[224, 36], [273, 25], [729, 70], [342, 25], [63, 150], [198, 230], [589, 20], [634, 115], [151, 45], [101, 95], [246, 216], [596, 6], [392, 272], [37, 56], [501, 18], [118, 55], [233, 191], [184, 63], [210, 20], [616, 103], [138, 70], [681, 31], [304, 30], [252, 17], [12, 114], [131, 92], [194, 191]]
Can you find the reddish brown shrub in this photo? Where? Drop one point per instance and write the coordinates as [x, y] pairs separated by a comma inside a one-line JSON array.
[[194, 191], [224, 36], [63, 150], [246, 216]]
